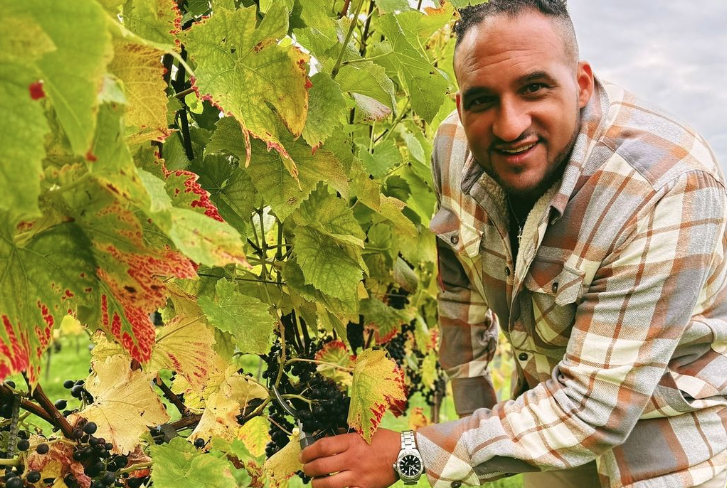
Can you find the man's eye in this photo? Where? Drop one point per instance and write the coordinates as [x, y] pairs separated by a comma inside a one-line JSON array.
[[480, 102], [533, 88]]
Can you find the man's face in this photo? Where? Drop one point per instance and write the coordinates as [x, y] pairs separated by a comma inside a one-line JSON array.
[[520, 97]]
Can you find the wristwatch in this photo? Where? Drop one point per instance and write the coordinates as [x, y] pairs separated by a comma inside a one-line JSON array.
[[409, 465]]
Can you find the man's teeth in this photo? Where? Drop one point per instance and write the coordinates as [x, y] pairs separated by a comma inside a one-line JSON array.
[[519, 150]]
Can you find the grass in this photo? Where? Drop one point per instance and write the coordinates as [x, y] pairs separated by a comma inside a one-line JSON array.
[[71, 357]]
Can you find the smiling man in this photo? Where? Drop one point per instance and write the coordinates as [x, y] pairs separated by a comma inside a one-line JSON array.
[[591, 229]]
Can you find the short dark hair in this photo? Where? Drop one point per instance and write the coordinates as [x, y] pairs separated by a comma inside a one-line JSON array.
[[557, 9]]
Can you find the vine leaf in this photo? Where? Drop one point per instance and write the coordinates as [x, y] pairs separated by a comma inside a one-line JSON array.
[[386, 155], [320, 32], [335, 352], [141, 71], [284, 463], [254, 434], [326, 265], [41, 282], [386, 321], [332, 216], [219, 418], [179, 460], [184, 345], [157, 21], [326, 107], [245, 317], [377, 384], [125, 405], [73, 72], [283, 193], [238, 62], [369, 80], [23, 124], [424, 83]]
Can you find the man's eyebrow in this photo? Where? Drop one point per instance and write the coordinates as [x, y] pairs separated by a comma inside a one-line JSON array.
[[535, 76], [476, 90]]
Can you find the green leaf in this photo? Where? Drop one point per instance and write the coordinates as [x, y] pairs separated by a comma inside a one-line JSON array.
[[73, 72], [158, 21], [41, 281], [425, 85], [368, 79], [377, 384], [435, 19], [296, 281], [325, 109], [246, 318], [329, 214], [464, 3], [422, 199], [385, 320], [237, 63], [279, 189], [114, 167], [388, 6], [22, 130], [179, 460], [327, 266], [320, 33], [228, 138], [386, 156]]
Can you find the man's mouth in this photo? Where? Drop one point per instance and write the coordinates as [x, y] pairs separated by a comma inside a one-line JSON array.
[[517, 150]]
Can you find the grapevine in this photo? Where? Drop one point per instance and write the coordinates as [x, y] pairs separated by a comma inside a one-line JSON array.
[[228, 197]]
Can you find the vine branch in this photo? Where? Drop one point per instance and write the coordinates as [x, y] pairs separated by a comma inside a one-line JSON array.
[[172, 397]]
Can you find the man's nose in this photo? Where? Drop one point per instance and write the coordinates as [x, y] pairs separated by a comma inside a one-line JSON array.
[[512, 119]]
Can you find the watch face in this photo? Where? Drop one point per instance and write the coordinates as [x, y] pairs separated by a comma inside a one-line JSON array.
[[410, 466]]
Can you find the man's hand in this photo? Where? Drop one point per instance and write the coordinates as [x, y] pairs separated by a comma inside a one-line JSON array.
[[354, 462]]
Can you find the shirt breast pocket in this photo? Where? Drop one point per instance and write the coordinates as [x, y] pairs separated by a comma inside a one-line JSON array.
[[554, 289]]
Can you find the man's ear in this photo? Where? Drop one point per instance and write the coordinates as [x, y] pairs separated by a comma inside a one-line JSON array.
[[585, 83], [458, 98]]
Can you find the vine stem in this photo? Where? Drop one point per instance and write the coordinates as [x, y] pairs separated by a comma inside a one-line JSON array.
[[272, 421], [58, 419], [5, 393], [10, 462], [322, 363], [169, 395], [346, 41], [299, 397], [361, 60], [136, 467]]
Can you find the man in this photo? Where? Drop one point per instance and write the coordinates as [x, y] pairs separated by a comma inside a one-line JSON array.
[[592, 229]]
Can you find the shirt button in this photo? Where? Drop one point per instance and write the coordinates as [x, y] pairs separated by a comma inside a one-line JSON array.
[[523, 356], [555, 287], [507, 271], [456, 484], [454, 239]]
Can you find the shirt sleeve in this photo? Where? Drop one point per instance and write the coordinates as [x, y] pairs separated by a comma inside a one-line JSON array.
[[468, 328], [469, 335], [626, 329]]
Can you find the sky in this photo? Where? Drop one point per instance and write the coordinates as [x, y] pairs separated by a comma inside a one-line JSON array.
[[670, 52]]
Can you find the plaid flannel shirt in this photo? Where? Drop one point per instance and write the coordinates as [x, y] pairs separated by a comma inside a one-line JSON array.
[[616, 308]]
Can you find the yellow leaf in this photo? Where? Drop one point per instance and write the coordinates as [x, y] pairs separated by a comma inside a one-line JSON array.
[[377, 384], [335, 353], [103, 348], [140, 68], [224, 405], [71, 326], [254, 434], [125, 405], [284, 463], [417, 418], [184, 345]]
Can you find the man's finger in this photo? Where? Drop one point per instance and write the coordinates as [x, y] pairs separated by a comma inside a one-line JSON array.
[[338, 480], [326, 465], [328, 446]]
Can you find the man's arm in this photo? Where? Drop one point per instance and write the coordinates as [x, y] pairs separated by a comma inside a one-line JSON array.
[[626, 329]]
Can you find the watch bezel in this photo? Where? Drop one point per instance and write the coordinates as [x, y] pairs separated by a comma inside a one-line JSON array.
[[409, 452]]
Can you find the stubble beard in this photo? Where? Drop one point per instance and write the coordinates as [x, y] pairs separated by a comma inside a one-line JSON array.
[[554, 173]]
